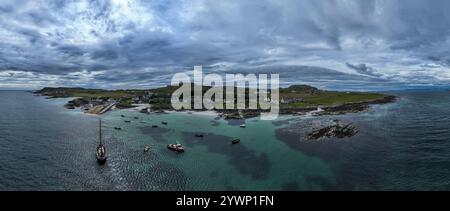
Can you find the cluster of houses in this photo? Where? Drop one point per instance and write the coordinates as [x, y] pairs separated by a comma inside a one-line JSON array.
[[292, 100], [105, 102], [146, 98], [286, 101], [282, 101]]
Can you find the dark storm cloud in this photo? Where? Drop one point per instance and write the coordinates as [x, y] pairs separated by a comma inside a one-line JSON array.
[[30, 35], [111, 43], [105, 54], [363, 69], [70, 50]]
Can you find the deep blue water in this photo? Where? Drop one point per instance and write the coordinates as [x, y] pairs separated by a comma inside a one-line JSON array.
[[401, 146]]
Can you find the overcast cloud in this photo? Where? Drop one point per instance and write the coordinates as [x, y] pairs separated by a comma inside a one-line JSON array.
[[134, 44]]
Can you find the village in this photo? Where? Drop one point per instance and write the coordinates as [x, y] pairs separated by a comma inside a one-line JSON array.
[[100, 105]]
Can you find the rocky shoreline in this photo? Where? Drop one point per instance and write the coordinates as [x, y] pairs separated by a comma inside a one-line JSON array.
[[315, 102], [242, 114], [324, 129], [315, 111], [341, 109], [76, 103]]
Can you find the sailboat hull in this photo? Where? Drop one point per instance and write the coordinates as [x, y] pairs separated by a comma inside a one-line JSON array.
[[101, 154], [101, 149]]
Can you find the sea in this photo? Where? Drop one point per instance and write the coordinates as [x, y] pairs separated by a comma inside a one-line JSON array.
[[403, 145]]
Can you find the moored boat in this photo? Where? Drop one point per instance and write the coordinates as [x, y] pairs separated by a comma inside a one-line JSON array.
[[100, 153], [236, 141], [199, 135], [176, 147], [243, 126]]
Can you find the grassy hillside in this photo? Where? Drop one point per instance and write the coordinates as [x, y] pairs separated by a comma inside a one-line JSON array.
[[329, 98]]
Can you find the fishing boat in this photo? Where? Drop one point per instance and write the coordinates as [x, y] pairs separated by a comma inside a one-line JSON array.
[[243, 126], [136, 117], [155, 126], [117, 128], [127, 121], [100, 153], [236, 141], [122, 115], [199, 135], [164, 123], [176, 147]]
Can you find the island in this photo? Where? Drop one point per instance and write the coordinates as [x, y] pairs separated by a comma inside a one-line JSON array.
[[295, 100]]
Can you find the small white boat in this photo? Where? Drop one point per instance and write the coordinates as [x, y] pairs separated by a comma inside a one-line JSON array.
[[243, 126], [146, 148]]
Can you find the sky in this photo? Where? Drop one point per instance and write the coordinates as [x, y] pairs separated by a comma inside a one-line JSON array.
[[337, 44]]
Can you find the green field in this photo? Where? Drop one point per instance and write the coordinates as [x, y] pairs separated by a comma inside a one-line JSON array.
[[329, 98]]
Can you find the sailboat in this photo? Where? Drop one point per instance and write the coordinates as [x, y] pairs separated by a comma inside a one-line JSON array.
[[101, 149]]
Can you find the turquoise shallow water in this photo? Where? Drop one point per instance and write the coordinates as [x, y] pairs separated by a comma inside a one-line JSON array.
[[259, 162], [401, 146]]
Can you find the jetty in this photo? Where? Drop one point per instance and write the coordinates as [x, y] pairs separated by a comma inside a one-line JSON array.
[[100, 109]]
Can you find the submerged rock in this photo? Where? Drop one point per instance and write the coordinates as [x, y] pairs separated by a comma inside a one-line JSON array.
[[69, 106]]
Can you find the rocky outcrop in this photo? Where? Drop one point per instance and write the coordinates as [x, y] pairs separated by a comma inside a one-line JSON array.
[[234, 115], [339, 130], [75, 103], [345, 108]]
